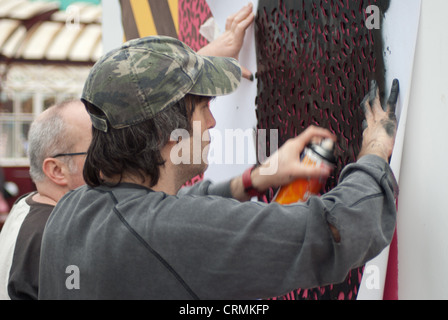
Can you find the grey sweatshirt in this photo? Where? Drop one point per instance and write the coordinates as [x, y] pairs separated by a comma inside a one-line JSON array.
[[129, 242]]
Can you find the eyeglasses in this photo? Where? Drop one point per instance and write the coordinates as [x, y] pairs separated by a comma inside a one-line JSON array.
[[69, 154]]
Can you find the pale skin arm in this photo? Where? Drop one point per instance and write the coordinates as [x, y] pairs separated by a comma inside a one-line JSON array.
[[230, 42]]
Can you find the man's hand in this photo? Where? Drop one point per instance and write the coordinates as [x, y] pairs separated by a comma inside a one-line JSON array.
[[380, 126], [230, 42], [284, 165]]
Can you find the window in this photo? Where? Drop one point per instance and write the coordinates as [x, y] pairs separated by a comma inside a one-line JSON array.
[[17, 112]]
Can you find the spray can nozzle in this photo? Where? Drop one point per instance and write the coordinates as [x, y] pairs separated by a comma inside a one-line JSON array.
[[325, 150]]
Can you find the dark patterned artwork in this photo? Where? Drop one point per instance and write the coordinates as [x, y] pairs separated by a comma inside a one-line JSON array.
[[193, 14], [315, 60]]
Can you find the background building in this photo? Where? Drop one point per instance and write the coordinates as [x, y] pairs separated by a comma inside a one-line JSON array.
[[46, 51]]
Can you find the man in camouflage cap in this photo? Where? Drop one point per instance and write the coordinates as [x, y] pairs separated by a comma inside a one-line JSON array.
[[134, 233], [153, 79], [143, 77]]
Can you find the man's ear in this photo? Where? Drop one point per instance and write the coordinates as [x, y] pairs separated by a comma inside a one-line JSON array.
[[55, 170]]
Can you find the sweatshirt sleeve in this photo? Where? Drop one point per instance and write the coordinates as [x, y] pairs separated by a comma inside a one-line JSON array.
[[207, 188], [265, 250]]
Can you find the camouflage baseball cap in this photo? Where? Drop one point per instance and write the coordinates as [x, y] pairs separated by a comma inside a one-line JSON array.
[[144, 76]]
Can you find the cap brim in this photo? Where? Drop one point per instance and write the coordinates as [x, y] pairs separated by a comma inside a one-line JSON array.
[[220, 76]]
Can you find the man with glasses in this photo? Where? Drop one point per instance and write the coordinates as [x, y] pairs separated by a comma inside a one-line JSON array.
[[58, 141]]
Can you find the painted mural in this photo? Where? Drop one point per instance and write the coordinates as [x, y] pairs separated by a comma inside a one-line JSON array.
[[315, 61]]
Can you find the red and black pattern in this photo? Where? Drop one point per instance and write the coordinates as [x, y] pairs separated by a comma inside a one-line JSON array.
[[193, 14], [315, 60]]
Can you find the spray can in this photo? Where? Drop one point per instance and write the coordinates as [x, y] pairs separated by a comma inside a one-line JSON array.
[[300, 190]]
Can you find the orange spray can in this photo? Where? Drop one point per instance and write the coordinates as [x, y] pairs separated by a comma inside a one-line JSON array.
[[301, 189]]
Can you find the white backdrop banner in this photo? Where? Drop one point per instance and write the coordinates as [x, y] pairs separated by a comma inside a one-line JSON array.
[[400, 30]]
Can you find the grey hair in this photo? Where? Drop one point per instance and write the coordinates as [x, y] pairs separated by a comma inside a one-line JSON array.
[[47, 137]]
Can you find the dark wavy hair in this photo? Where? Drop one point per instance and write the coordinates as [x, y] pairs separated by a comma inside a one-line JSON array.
[[135, 149]]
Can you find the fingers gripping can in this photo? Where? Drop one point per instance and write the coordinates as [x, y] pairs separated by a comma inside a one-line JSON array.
[[300, 190]]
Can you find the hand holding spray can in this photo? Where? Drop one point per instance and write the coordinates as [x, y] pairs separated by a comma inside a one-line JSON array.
[[301, 189]]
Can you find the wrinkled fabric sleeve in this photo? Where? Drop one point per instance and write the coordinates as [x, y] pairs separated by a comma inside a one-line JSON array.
[[269, 249], [198, 245], [207, 188]]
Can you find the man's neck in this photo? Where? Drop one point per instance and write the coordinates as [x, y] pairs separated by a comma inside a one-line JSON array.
[[44, 199], [171, 177], [167, 183], [48, 192], [46, 195]]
